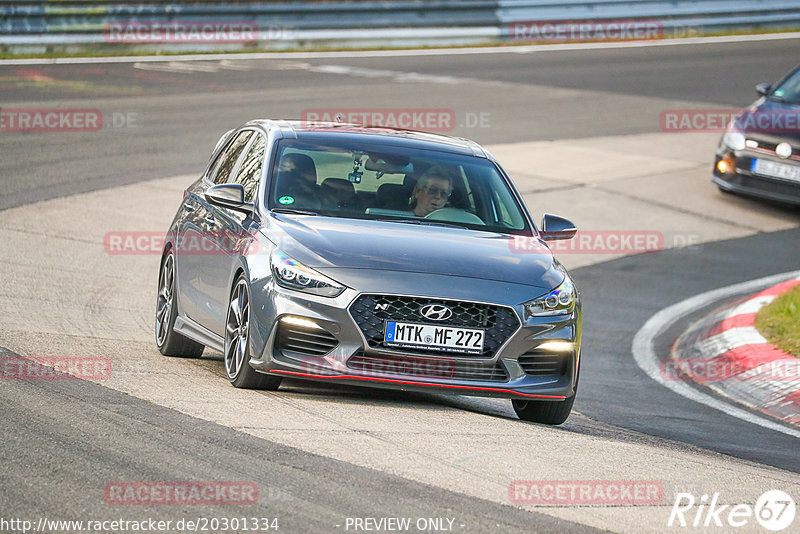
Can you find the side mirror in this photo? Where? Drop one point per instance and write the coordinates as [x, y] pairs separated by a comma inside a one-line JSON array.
[[555, 227], [763, 89], [229, 196]]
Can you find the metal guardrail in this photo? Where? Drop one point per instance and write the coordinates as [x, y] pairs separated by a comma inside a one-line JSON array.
[[365, 23]]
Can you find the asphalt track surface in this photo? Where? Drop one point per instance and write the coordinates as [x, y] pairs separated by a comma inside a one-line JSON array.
[[86, 436], [63, 440]]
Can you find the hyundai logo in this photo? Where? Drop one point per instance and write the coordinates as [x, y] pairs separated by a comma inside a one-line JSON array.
[[436, 312]]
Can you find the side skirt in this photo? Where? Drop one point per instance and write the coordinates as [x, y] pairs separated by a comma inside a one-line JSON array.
[[201, 334]]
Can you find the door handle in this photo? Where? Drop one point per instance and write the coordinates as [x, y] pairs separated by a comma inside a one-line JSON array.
[[210, 219], [188, 208]]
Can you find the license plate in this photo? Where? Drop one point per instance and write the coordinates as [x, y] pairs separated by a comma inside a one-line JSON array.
[[777, 170], [432, 337]]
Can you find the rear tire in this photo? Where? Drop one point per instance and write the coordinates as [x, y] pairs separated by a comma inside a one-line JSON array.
[[545, 412], [237, 343], [170, 342]]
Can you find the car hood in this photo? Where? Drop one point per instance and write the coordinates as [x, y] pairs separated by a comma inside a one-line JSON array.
[[771, 118], [336, 243]]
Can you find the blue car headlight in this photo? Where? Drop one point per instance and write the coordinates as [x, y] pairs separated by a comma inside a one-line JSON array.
[[292, 274], [733, 139], [559, 301]]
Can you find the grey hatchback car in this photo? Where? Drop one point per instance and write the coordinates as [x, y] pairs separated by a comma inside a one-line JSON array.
[[373, 257]]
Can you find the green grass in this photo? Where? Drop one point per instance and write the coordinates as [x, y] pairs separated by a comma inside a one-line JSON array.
[[779, 322]]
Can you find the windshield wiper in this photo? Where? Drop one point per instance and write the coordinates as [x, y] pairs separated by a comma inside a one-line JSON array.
[[445, 223], [426, 222], [293, 211], [406, 221]]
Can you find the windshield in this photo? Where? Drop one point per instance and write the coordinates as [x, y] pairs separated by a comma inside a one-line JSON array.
[[393, 183], [789, 89]]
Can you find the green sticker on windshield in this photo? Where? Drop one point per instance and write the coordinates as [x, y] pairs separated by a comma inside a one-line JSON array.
[[286, 200]]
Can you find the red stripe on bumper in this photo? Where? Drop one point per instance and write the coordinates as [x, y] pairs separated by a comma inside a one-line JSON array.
[[387, 380]]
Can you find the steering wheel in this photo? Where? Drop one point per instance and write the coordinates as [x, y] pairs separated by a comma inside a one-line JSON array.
[[454, 215]]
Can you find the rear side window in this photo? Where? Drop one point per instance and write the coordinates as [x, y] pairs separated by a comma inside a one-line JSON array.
[[250, 170], [227, 160]]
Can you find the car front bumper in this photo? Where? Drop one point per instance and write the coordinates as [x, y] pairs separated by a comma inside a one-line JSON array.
[[315, 338], [741, 180]]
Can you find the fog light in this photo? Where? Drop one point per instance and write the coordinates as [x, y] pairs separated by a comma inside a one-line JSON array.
[[725, 165], [299, 321], [557, 346]]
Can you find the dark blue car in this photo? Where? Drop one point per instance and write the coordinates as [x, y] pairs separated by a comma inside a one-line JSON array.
[[759, 154]]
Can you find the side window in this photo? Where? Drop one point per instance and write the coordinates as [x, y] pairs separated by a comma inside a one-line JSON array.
[[250, 170], [227, 160]]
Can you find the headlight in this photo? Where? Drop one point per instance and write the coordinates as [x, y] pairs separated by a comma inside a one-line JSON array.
[[733, 139], [291, 274], [560, 301]]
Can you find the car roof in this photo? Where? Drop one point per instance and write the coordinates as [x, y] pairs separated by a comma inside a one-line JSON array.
[[320, 131]]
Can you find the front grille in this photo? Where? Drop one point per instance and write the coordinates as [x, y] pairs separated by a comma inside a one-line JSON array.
[[541, 363], [370, 313], [428, 368], [305, 340]]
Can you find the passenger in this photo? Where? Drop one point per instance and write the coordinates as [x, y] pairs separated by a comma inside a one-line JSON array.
[[297, 178]]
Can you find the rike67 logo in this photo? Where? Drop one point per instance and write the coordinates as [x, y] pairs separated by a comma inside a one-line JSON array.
[[774, 510]]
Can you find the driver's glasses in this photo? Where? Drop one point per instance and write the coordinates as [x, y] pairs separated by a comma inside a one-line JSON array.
[[437, 192]]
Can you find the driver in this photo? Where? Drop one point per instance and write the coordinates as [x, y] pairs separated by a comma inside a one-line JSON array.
[[432, 191]]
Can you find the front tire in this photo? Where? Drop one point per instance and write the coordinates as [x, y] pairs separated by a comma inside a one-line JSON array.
[[545, 412], [170, 342], [237, 343]]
